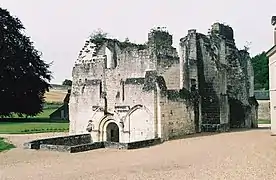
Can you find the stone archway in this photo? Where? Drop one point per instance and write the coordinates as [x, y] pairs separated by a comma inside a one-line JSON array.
[[112, 132]]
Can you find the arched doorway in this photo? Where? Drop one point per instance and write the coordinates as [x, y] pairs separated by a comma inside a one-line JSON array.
[[112, 132]]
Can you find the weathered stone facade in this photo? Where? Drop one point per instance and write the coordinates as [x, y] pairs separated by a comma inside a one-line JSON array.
[[124, 92]]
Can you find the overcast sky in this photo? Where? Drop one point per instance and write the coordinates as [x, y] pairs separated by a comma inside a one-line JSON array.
[[59, 28]]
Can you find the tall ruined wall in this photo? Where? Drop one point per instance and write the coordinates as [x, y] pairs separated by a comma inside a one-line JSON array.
[[167, 60], [240, 80], [223, 77]]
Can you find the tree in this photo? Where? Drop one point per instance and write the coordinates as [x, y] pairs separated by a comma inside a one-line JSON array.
[[67, 82], [261, 75], [24, 77]]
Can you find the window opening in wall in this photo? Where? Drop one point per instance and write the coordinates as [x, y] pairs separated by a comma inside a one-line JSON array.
[[123, 90], [101, 89], [105, 105], [109, 58], [193, 84]]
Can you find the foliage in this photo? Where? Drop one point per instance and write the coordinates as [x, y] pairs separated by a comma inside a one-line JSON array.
[[67, 82], [28, 127], [5, 145], [260, 66], [24, 76], [98, 34], [162, 38]]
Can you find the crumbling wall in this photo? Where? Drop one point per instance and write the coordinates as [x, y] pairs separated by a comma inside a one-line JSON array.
[[190, 73], [223, 77], [240, 81], [131, 85], [125, 77], [167, 59]]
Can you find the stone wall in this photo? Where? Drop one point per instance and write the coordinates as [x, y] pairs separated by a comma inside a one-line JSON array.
[[131, 86], [64, 141], [177, 119], [80, 143], [222, 75], [117, 82], [264, 109]]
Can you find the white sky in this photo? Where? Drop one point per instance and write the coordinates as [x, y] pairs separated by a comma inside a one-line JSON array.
[[59, 28]]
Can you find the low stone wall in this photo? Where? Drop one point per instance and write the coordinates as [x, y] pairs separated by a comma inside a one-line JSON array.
[[59, 148], [86, 147], [142, 144], [62, 141], [133, 145], [115, 145], [80, 143]]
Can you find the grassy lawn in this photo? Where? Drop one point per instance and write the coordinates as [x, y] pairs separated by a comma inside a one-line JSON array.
[[263, 121], [5, 145], [46, 113], [38, 124], [29, 128], [47, 110]]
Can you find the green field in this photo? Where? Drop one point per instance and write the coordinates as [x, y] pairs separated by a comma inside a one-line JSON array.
[[29, 128], [5, 145]]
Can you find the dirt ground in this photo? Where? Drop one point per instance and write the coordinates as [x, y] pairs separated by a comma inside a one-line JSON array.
[[236, 155]]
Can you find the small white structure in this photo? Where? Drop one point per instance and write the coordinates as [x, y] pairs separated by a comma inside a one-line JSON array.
[[271, 54]]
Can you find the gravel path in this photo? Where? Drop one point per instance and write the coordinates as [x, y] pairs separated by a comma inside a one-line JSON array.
[[237, 155]]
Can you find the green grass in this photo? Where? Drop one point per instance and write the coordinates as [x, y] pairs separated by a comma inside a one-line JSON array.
[[264, 121], [5, 145], [44, 114], [29, 128]]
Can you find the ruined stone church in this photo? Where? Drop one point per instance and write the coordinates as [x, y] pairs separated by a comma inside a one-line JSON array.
[[126, 92]]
